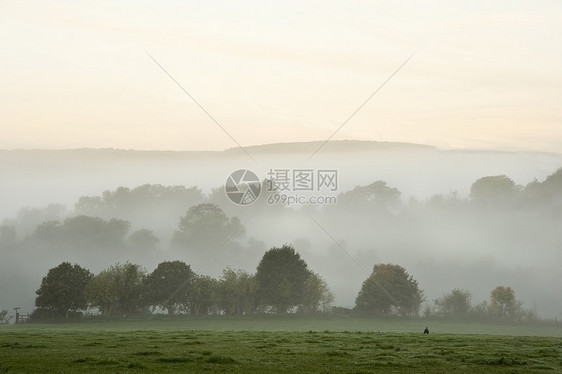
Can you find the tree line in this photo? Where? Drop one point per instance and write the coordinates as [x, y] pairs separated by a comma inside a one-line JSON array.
[[150, 207], [503, 305], [103, 223], [391, 291], [282, 284]]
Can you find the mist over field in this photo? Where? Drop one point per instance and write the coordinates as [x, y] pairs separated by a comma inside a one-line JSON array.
[[414, 208]]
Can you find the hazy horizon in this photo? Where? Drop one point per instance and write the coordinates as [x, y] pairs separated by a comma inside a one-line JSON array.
[[257, 146]]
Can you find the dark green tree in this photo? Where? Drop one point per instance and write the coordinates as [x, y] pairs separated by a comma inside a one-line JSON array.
[[62, 290], [102, 292], [48, 232], [454, 304], [377, 196], [281, 279], [95, 231], [140, 203], [389, 290], [169, 286], [118, 290], [202, 298], [492, 190], [546, 194], [143, 240], [236, 292], [206, 225], [83, 232]]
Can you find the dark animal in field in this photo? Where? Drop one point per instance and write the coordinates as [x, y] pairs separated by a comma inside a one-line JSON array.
[[426, 331]]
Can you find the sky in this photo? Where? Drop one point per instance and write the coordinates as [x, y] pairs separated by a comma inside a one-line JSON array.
[[484, 75]]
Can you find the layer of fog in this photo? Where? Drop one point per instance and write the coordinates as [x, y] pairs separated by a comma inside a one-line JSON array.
[[439, 252], [39, 178]]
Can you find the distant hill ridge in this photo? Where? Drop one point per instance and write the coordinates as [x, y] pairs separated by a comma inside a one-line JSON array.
[[273, 148], [333, 146]]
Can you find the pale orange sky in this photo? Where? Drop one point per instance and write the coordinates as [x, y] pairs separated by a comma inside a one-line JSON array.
[[76, 73]]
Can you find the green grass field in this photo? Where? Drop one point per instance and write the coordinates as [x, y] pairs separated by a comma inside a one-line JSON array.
[[280, 345]]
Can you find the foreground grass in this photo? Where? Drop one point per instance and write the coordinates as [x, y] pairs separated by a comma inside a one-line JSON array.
[[174, 346]]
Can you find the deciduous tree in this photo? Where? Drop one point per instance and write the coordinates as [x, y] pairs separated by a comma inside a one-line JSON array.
[[317, 295], [454, 304], [169, 285], [143, 240], [281, 279], [389, 290], [377, 196], [206, 225], [117, 290], [492, 189], [62, 289], [236, 292], [503, 303], [203, 295]]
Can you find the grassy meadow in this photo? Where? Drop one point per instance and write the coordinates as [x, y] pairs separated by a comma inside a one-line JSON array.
[[280, 345]]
